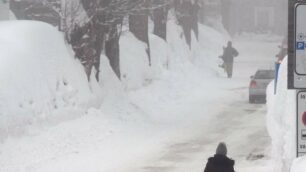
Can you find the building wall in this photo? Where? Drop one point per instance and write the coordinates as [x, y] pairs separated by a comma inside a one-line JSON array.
[[209, 9], [264, 18], [4, 10], [257, 16]]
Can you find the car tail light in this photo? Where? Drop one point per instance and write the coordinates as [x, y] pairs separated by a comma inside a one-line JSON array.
[[253, 84]]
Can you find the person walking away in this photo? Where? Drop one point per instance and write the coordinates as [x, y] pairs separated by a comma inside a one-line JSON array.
[[228, 57], [220, 162]]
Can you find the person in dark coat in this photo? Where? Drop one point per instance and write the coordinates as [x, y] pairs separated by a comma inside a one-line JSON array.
[[220, 162], [229, 53]]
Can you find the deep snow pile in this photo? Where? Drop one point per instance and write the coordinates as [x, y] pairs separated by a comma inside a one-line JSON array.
[[45, 96], [39, 76], [40, 79], [298, 164], [173, 55], [281, 122]]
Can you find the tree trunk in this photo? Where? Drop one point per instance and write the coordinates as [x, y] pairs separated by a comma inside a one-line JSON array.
[[84, 42], [112, 50], [139, 26], [99, 41], [194, 18], [184, 16], [107, 33], [225, 13], [160, 16]]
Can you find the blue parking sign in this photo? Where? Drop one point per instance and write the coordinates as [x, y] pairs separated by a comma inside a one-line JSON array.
[[300, 45]]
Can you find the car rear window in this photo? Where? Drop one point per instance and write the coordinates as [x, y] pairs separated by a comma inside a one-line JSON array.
[[265, 74]]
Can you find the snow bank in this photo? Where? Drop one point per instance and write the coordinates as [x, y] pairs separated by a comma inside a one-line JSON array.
[[212, 42], [41, 84], [41, 81], [38, 74], [172, 55], [134, 62], [298, 165], [281, 122]]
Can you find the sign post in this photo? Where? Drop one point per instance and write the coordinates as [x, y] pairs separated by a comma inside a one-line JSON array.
[[301, 123], [297, 67], [297, 45]]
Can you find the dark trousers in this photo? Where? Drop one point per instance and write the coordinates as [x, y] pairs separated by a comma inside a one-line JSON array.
[[228, 66]]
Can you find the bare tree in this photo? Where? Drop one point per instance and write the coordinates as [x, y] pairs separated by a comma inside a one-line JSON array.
[[105, 20], [194, 17], [184, 17], [187, 16], [70, 12], [93, 27], [139, 24], [107, 17], [225, 13], [160, 17]]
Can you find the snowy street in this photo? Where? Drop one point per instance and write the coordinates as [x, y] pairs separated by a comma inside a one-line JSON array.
[[240, 124]]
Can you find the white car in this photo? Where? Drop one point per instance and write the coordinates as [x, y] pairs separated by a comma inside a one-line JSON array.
[[258, 85]]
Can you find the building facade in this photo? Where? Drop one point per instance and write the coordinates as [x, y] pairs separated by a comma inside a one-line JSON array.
[[258, 16], [4, 10]]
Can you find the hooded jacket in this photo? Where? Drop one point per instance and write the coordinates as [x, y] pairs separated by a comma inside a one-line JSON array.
[[219, 163]]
